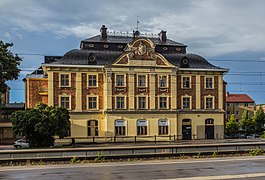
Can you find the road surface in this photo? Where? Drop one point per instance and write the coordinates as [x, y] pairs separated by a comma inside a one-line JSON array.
[[186, 169]]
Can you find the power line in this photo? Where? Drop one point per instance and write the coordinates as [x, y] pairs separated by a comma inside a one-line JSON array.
[[210, 59]]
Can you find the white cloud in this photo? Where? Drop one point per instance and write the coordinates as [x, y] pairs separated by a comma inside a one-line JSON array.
[[208, 27]]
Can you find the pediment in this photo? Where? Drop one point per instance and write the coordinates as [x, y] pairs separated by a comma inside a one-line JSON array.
[[141, 52]]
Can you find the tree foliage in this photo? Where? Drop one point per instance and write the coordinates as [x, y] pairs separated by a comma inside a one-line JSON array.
[[259, 119], [8, 65], [247, 123], [40, 124], [231, 126]]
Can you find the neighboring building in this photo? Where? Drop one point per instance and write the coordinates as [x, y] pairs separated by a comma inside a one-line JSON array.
[[257, 106], [237, 103], [133, 86], [6, 109], [4, 99]]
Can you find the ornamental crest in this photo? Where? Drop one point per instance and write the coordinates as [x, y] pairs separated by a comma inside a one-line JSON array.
[[141, 49]]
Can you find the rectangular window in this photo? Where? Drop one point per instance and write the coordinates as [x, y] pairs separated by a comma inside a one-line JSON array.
[[236, 104], [141, 81], [163, 127], [141, 127], [163, 102], [209, 103], [227, 104], [246, 104], [119, 80], [237, 112], [186, 82], [186, 103], [65, 80], [228, 112], [162, 81], [141, 102], [208, 83], [65, 102], [92, 80], [120, 102], [92, 102]]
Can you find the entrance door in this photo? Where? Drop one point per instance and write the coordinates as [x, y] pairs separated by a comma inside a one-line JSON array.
[[92, 128], [186, 129], [209, 129]]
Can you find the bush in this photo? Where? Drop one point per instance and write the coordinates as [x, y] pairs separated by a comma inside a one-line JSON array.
[[255, 152]]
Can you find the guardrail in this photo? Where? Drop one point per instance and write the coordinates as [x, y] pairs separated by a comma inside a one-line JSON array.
[[129, 151], [122, 139]]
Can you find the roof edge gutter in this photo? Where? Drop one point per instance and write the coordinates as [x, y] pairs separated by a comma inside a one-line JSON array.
[[195, 69], [74, 66]]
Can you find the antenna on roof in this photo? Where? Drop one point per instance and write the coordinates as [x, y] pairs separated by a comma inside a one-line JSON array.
[[137, 23]]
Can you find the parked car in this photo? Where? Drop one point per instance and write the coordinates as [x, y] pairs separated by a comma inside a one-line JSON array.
[[21, 143]]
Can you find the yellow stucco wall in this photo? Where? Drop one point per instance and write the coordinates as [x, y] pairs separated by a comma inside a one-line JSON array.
[[106, 123], [198, 119]]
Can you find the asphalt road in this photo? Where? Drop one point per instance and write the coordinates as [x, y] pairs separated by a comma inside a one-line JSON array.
[[187, 169]]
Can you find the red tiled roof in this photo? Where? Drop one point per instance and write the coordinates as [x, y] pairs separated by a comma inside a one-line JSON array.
[[238, 98]]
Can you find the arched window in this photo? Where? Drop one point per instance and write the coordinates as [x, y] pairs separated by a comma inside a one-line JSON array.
[[92, 128], [141, 127], [163, 127], [120, 128]]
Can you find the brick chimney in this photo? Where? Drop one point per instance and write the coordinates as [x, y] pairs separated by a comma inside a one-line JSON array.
[[163, 36], [103, 31]]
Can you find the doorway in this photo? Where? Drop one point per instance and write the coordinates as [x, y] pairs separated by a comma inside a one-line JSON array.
[[209, 129], [186, 129]]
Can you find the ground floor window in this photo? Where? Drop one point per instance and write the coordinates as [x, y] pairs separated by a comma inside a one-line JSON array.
[[92, 128], [163, 127], [141, 127], [120, 128]]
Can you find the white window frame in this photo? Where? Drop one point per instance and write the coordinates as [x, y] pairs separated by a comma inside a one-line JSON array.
[[205, 79], [97, 101], [159, 78], [88, 80], [125, 101], [63, 96], [182, 82], [182, 101], [159, 100], [60, 79], [205, 102], [163, 126], [142, 126], [125, 125], [139, 82], [146, 102], [124, 80]]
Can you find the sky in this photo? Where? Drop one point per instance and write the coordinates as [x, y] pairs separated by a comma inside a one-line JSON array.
[[228, 33]]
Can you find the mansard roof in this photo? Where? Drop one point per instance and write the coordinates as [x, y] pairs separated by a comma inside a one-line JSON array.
[[126, 39], [104, 49], [97, 57]]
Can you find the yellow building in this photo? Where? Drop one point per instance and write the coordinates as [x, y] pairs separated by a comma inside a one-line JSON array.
[[122, 85]]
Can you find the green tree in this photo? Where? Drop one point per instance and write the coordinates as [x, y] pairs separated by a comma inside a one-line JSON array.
[[40, 124], [259, 119], [231, 126], [247, 123], [8, 65]]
